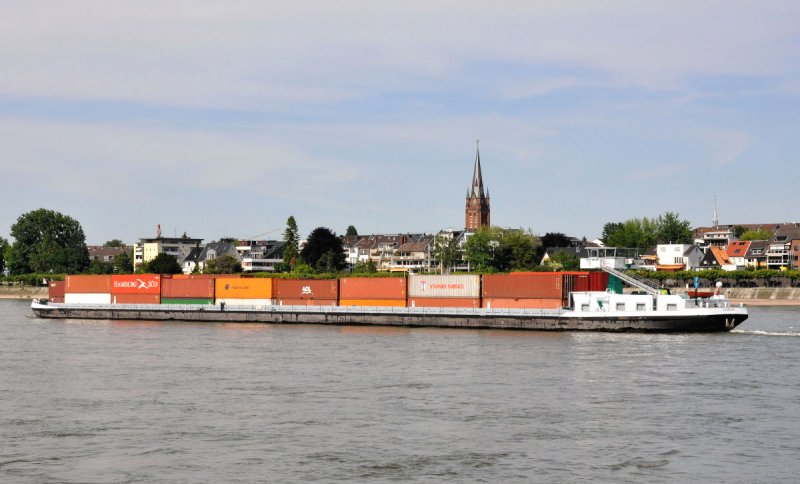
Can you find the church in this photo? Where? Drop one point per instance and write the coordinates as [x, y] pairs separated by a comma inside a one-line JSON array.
[[477, 206]]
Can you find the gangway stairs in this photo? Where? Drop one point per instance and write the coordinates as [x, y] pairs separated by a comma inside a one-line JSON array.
[[640, 282]]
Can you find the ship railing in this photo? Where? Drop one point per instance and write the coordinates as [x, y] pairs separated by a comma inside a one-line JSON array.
[[642, 283]]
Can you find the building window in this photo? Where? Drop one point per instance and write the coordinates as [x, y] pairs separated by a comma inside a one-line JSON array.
[[672, 307], [584, 307], [640, 306], [620, 306]]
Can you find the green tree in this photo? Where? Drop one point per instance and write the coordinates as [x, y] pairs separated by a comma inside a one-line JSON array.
[[163, 264], [3, 247], [633, 233], [321, 242], [479, 249], [552, 239], [351, 231], [738, 230], [224, 264], [123, 264], [609, 230], [48, 241], [757, 234], [291, 238], [114, 243], [368, 267], [670, 229], [516, 250], [564, 261], [444, 250]]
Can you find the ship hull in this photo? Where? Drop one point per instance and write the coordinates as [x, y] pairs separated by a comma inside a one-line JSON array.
[[710, 320]]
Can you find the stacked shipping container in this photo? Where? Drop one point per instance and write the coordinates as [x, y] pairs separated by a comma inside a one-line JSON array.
[[372, 291], [237, 291], [306, 292], [87, 290], [187, 290], [55, 291], [515, 290], [541, 290], [453, 291], [136, 289]]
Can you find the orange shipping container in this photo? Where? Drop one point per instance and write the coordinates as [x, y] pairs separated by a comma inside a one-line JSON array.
[[55, 289], [306, 302], [87, 284], [306, 289], [239, 288], [136, 284], [187, 288], [373, 288], [536, 285], [531, 303], [444, 302], [135, 299], [373, 302]]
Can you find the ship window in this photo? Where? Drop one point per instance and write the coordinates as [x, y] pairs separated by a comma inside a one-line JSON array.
[[584, 307], [640, 306], [620, 306], [672, 307]]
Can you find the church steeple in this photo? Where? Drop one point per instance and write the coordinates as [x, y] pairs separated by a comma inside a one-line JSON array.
[[477, 177], [477, 206]]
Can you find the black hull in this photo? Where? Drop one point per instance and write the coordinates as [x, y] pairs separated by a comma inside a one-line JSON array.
[[718, 322]]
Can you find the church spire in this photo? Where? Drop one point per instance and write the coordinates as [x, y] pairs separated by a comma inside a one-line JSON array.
[[477, 206], [477, 177], [715, 219]]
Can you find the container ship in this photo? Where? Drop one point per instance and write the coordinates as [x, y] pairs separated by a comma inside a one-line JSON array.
[[558, 301]]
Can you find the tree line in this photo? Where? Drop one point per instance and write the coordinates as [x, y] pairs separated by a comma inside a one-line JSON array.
[[46, 241]]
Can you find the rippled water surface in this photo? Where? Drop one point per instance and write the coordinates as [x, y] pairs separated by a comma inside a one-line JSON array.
[[119, 401]]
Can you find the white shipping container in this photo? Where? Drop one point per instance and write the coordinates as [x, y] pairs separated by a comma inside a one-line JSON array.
[[452, 286], [87, 298], [245, 302]]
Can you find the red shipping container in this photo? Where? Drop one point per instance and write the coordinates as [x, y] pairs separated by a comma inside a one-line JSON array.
[[55, 289], [306, 302], [306, 289], [535, 285], [136, 284], [135, 299], [598, 281], [532, 303], [87, 284], [580, 281], [444, 302], [372, 288], [187, 288]]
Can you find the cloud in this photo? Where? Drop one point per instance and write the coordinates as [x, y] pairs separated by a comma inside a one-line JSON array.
[[250, 55], [728, 146]]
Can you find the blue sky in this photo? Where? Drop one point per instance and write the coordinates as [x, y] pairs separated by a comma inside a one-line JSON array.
[[224, 118]]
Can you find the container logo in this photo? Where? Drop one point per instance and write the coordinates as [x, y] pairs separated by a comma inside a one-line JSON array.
[[137, 284], [306, 290], [424, 286]]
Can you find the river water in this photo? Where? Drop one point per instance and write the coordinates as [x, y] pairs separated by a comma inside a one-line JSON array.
[[118, 402]]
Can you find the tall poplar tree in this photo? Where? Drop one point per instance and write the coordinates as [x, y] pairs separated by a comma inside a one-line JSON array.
[[291, 251]]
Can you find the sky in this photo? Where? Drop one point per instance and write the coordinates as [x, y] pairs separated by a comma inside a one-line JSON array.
[[222, 119]]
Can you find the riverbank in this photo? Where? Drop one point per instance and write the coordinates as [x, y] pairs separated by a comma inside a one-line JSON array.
[[23, 292], [758, 296]]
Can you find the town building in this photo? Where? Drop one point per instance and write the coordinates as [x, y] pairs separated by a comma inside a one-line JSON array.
[[148, 248], [106, 255], [477, 211]]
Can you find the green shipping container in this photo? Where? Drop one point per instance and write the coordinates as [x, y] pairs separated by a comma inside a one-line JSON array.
[[186, 301], [614, 284]]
